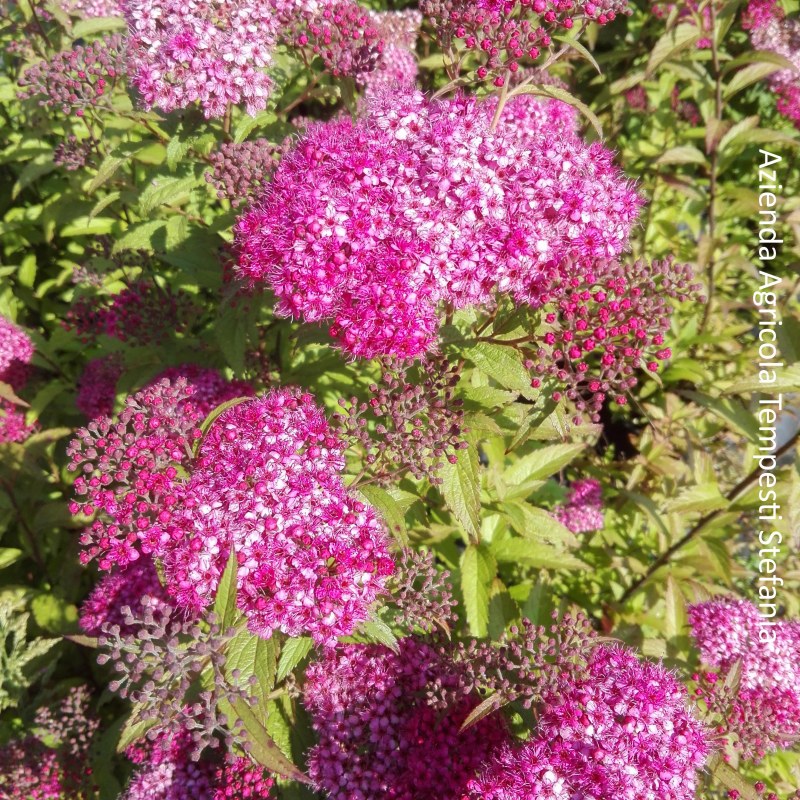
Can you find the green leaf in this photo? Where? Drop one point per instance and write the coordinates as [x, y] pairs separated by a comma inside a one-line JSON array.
[[252, 655], [671, 43], [478, 568], [9, 556], [389, 509], [685, 154], [165, 191], [504, 365], [140, 236], [731, 779], [748, 75], [134, 729], [376, 630], [225, 601], [104, 203], [89, 27], [487, 707], [262, 746], [54, 614], [557, 93], [537, 524], [580, 50], [534, 554], [542, 463], [293, 652], [106, 171], [675, 618], [461, 490]]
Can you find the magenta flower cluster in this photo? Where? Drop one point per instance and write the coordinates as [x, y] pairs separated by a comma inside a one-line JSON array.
[[16, 352], [127, 465], [77, 79], [397, 66], [54, 763], [136, 584], [97, 386], [381, 736], [607, 322], [505, 33], [312, 559], [764, 712], [372, 224], [624, 730], [217, 53], [142, 313], [772, 31], [167, 771], [583, 510], [213, 53]]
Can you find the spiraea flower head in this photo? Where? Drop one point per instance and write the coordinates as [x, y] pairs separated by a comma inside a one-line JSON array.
[[16, 351], [583, 510], [381, 734], [340, 33], [131, 587], [772, 31], [167, 771], [13, 426], [240, 171], [622, 729], [208, 388], [86, 9], [77, 79], [53, 764], [142, 313], [312, 559], [371, 225], [212, 53], [397, 65], [763, 711], [97, 386], [127, 469], [605, 323], [503, 34]]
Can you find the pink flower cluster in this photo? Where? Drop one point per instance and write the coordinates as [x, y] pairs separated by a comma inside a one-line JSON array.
[[267, 482], [128, 462], [583, 511], [213, 53], [16, 351], [127, 466], [33, 770], [380, 736], [372, 224], [167, 771], [86, 9], [142, 313], [126, 587], [607, 322], [503, 33], [764, 713], [216, 53], [622, 731], [209, 388], [77, 79], [242, 780], [97, 386], [398, 63], [770, 30], [339, 32]]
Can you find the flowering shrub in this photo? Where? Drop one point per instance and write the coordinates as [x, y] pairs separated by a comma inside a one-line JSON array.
[[399, 401]]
